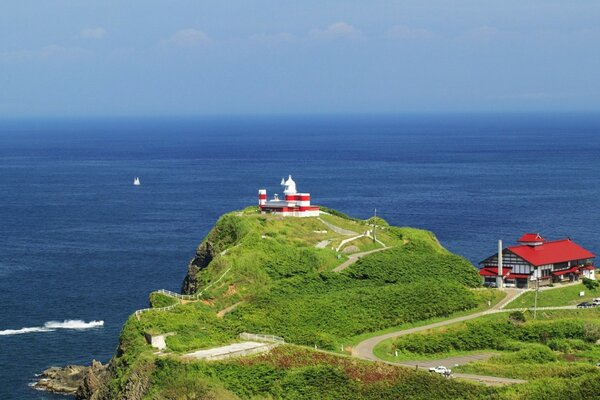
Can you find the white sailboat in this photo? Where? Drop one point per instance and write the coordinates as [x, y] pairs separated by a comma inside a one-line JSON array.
[[136, 181]]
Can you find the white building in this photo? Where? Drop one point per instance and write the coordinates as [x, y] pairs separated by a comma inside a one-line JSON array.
[[293, 204]]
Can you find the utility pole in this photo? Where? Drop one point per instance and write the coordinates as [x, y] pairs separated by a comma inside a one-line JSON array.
[[537, 290], [375, 226]]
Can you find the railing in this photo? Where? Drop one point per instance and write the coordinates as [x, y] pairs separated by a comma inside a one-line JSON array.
[[262, 338], [191, 297], [177, 295]]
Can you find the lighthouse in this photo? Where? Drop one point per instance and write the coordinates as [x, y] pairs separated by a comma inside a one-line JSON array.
[[293, 204]]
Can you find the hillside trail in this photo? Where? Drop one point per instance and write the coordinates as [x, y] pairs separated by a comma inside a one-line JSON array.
[[355, 257]]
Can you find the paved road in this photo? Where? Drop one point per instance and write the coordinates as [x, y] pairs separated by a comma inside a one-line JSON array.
[[450, 361], [365, 348]]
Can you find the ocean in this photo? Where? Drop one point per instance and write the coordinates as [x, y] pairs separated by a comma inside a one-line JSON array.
[[79, 243]]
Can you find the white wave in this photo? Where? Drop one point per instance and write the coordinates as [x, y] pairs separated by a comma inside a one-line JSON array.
[[24, 330], [51, 326], [73, 324]]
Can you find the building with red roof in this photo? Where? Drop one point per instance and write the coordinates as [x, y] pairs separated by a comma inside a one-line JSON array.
[[537, 259]]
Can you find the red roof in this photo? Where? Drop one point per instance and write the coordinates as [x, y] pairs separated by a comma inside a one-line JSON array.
[[531, 238], [551, 252], [493, 271], [573, 270]]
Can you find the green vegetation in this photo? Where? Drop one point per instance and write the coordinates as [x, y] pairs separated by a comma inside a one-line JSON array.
[[290, 372], [485, 299], [558, 350], [591, 284], [158, 300], [501, 332], [282, 284], [419, 258], [555, 297]]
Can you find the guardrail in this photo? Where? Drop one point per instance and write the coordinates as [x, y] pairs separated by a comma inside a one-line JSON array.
[[262, 338], [191, 297]]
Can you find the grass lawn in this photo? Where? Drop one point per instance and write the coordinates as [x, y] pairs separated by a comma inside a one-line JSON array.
[[556, 297], [382, 350]]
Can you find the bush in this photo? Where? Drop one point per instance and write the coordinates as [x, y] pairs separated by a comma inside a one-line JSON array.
[[499, 335], [568, 345], [517, 317], [415, 261], [591, 284]]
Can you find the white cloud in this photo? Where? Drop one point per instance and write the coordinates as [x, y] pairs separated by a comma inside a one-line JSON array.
[[186, 38], [92, 33], [51, 52], [403, 32], [337, 30]]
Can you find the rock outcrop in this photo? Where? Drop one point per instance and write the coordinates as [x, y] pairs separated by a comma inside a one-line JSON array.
[[204, 255], [93, 379], [72, 379]]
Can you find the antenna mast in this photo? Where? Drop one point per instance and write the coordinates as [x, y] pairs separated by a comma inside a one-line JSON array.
[[375, 226]]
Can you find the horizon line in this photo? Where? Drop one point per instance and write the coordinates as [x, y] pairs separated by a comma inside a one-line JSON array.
[[297, 114]]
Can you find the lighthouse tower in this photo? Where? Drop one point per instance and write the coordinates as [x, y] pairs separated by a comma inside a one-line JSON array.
[[293, 204]]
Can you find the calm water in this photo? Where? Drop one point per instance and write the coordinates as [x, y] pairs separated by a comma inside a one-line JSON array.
[[78, 241]]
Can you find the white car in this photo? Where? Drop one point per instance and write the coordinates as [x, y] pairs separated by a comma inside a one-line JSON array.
[[441, 370]]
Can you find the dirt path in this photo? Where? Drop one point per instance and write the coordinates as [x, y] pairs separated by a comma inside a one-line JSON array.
[[355, 257], [232, 307], [337, 229]]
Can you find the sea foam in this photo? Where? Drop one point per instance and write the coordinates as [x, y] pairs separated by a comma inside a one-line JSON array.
[[51, 326], [73, 324]]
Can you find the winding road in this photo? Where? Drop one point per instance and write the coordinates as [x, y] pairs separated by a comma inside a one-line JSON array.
[[364, 349]]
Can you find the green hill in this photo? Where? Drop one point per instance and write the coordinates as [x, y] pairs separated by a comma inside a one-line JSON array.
[[272, 275]]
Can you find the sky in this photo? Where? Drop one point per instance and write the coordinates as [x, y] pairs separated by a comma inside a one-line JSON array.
[[150, 57]]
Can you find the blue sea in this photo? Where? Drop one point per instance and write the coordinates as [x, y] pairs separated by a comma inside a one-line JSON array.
[[79, 242]]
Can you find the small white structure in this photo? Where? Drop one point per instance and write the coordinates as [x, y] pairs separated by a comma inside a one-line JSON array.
[[293, 204], [158, 341], [136, 181]]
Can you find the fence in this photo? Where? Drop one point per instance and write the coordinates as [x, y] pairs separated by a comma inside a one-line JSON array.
[[191, 297], [262, 338]]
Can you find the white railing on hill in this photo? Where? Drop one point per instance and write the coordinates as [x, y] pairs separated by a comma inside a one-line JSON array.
[[180, 297], [262, 338]]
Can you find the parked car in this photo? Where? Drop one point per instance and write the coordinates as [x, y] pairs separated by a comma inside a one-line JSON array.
[[441, 370], [596, 301], [490, 284], [585, 304]]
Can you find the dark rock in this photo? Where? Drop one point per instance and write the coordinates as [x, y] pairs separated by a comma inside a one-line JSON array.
[[69, 379], [204, 255], [92, 381]]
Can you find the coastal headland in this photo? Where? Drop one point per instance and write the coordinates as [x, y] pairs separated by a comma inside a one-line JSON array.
[[278, 307]]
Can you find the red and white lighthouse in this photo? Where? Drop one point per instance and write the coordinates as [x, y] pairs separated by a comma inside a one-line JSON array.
[[293, 204]]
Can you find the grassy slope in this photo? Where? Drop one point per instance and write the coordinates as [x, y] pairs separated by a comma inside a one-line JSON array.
[[286, 288], [555, 351], [562, 296], [291, 372]]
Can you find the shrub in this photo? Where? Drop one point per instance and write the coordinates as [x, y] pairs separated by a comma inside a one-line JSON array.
[[568, 345], [591, 284], [517, 317]]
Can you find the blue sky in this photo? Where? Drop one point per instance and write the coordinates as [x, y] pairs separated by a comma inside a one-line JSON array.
[[79, 58]]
